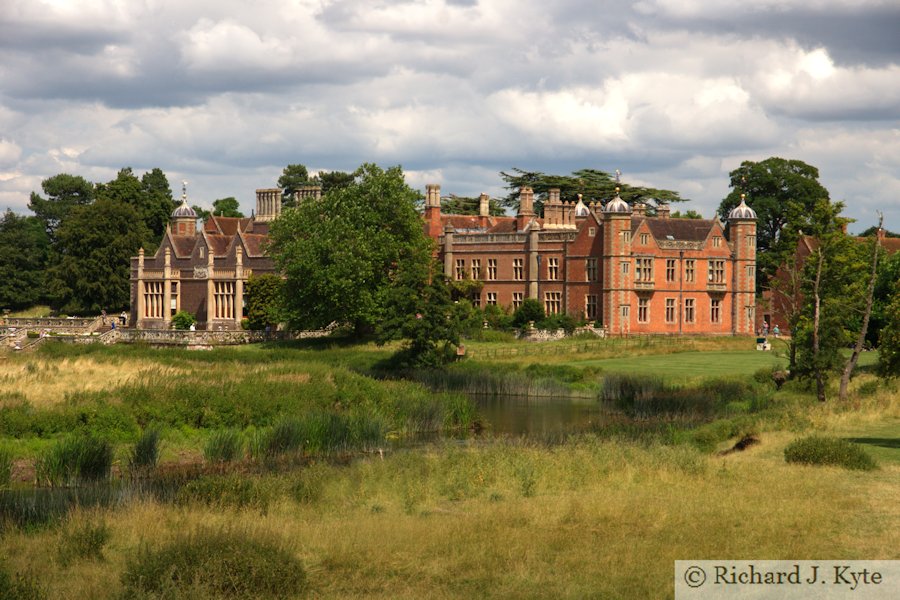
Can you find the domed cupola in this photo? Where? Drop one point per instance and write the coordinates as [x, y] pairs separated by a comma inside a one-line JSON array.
[[184, 210], [184, 218], [580, 209], [742, 212], [617, 206]]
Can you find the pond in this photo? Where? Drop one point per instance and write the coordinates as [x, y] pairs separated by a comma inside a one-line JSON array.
[[540, 417]]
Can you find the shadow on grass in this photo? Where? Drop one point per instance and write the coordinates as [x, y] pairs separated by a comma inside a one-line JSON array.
[[893, 443]]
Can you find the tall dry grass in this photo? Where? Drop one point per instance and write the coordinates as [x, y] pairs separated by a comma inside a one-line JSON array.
[[584, 519], [45, 382]]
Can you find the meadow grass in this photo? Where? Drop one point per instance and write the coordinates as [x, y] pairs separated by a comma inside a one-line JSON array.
[[600, 514], [510, 519]]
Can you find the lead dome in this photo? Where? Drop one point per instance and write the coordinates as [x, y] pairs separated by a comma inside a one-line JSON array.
[[742, 211]]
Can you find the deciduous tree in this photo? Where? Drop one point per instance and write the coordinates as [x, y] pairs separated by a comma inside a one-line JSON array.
[[227, 207], [93, 251], [771, 187], [24, 249], [339, 253], [264, 300], [419, 309]]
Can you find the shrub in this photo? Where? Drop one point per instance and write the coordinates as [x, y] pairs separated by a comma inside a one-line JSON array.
[[530, 310], [219, 563], [73, 460], [80, 541], [183, 320], [815, 450], [224, 445], [145, 453]]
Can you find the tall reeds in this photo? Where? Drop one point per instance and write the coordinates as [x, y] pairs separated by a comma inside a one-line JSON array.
[[74, 460]]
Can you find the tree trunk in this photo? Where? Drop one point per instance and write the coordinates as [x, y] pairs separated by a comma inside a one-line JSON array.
[[861, 339], [820, 376]]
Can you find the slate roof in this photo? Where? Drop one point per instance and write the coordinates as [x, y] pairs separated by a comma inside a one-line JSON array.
[[688, 230], [218, 244], [255, 242], [183, 244]]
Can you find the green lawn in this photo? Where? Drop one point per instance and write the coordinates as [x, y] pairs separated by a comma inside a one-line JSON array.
[[689, 365], [881, 440]]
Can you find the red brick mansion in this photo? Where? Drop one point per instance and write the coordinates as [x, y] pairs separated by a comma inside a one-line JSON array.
[[612, 264]]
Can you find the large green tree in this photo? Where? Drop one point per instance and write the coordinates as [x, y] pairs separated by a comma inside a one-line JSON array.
[[93, 250], [264, 300], [593, 185], [420, 310], [338, 254], [24, 248], [227, 207], [783, 193], [63, 192]]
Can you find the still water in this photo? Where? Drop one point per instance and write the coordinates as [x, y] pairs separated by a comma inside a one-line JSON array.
[[532, 416]]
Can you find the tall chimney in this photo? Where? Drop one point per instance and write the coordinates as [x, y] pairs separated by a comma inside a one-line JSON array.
[[433, 210], [526, 207]]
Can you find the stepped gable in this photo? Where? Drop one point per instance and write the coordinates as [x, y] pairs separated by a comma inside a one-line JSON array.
[[688, 230]]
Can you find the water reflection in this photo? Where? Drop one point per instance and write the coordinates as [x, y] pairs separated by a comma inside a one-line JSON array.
[[540, 416]]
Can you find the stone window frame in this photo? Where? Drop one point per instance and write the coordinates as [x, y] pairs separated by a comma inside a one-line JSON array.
[[552, 303], [670, 310], [591, 270], [552, 269], [690, 310], [519, 269], [643, 314]]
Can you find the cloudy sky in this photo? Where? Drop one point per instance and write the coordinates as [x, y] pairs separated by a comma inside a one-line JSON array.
[[675, 93]]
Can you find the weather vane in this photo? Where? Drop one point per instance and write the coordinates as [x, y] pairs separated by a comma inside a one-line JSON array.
[[184, 190]]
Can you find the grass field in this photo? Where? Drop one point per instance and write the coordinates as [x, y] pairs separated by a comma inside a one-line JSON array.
[[689, 365], [589, 516]]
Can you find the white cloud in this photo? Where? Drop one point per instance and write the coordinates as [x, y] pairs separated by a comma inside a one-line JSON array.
[[225, 93]]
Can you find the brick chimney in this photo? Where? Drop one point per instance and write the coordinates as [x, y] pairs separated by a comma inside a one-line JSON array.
[[526, 208], [484, 210], [433, 210]]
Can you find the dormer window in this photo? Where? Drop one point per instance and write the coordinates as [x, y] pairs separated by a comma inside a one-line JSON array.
[[645, 238], [202, 252]]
